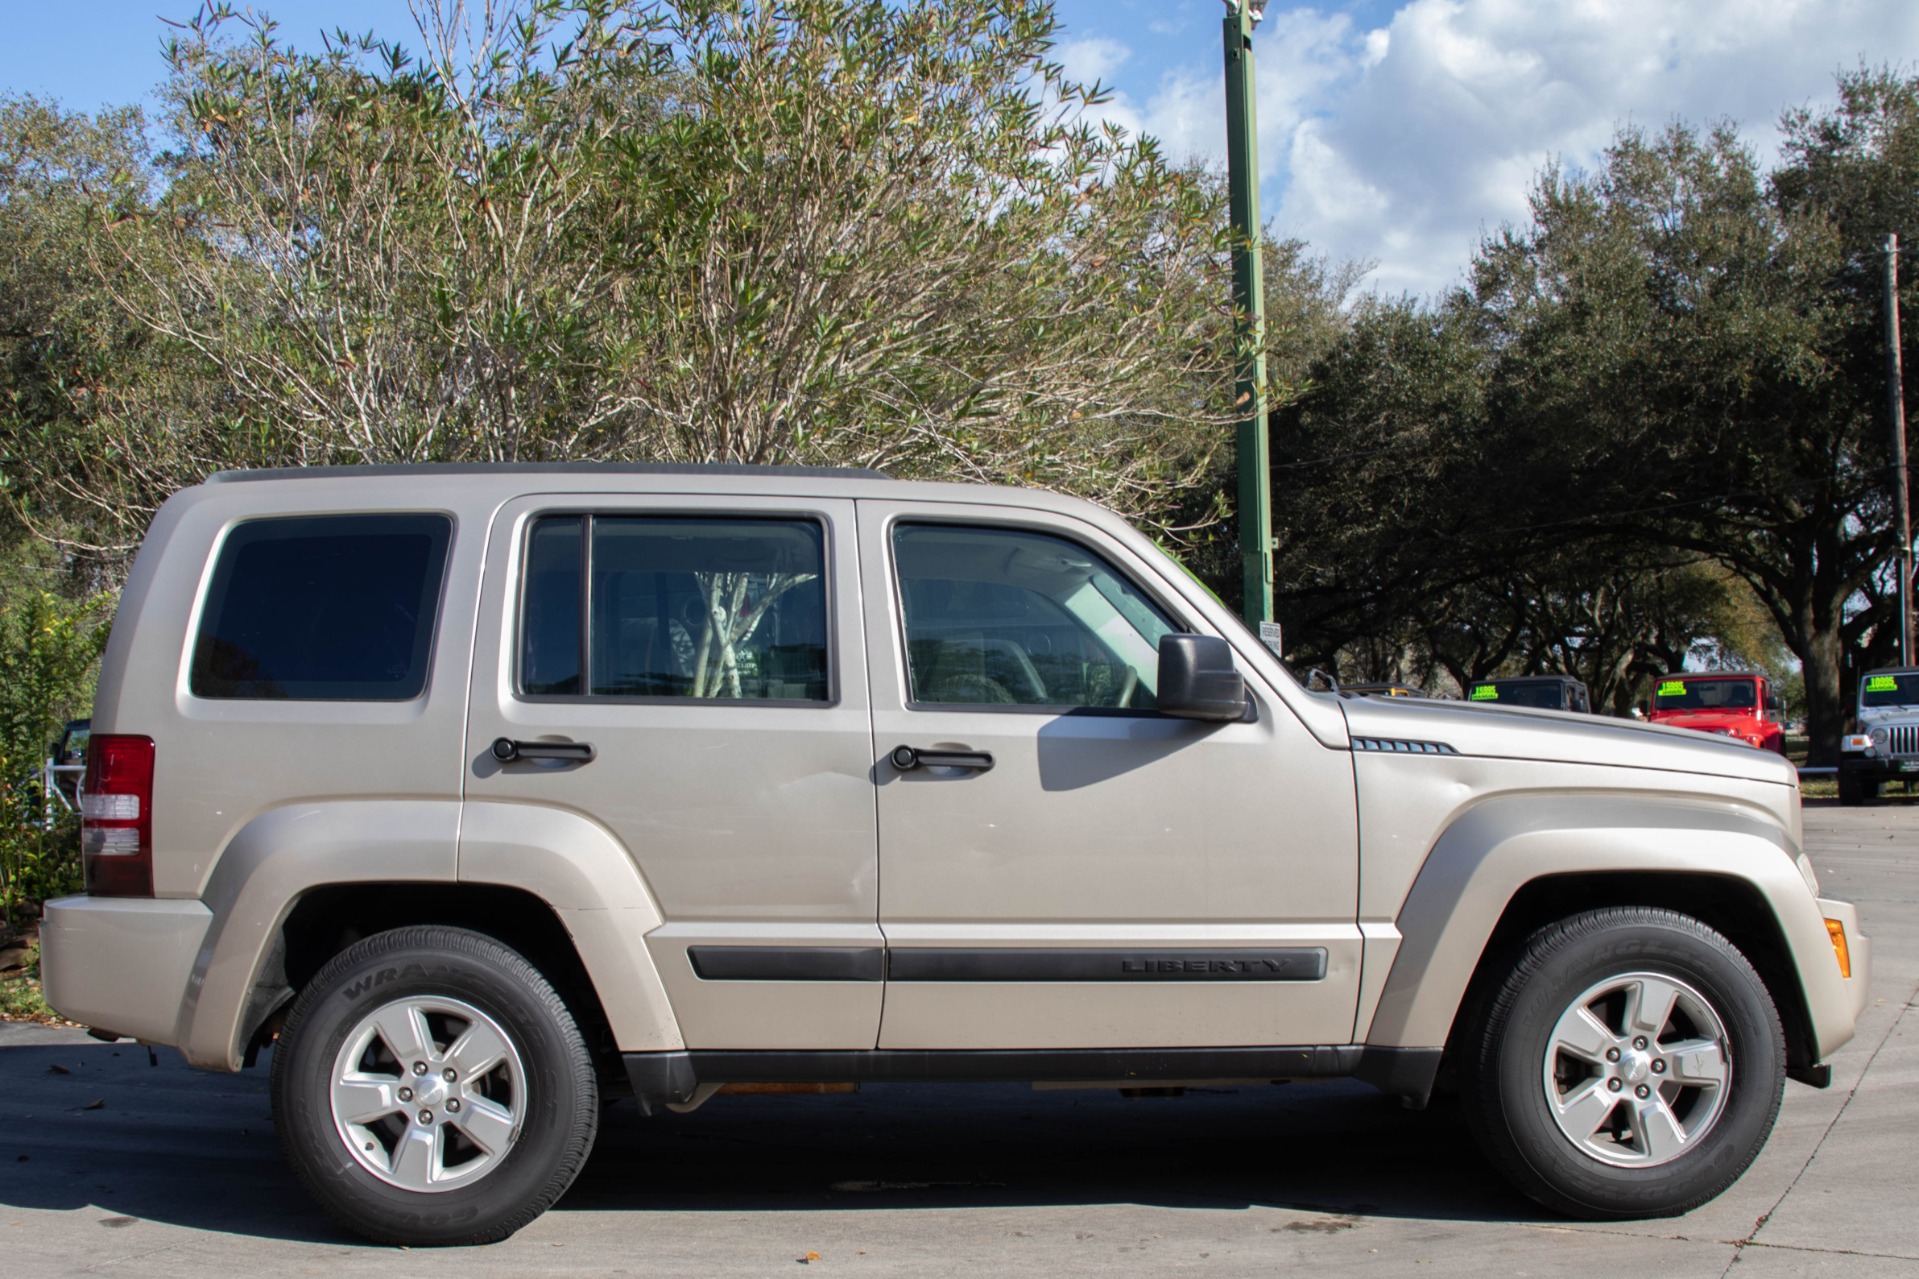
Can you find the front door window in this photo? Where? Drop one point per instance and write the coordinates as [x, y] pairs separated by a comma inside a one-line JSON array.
[[1005, 617]]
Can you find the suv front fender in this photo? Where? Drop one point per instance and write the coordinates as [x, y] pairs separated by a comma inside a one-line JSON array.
[[1494, 849]]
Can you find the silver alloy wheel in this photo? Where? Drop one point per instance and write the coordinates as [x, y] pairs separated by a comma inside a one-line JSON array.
[[428, 1093], [1637, 1070]]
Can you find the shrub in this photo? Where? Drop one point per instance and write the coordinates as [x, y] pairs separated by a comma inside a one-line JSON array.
[[48, 648]]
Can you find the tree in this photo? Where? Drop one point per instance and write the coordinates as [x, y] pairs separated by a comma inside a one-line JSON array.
[[1423, 540], [825, 231], [1684, 338], [67, 351]]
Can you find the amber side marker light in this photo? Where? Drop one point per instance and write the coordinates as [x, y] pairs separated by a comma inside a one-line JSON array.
[[1837, 931]]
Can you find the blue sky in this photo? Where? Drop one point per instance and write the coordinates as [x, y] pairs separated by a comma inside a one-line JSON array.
[[1395, 133]]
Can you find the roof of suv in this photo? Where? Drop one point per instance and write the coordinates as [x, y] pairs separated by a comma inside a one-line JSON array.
[[541, 468], [488, 483]]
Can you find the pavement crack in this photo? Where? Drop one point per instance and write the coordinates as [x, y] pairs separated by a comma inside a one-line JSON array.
[[1836, 1252], [1740, 1245]]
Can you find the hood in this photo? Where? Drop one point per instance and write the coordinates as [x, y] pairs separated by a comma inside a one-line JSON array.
[[1709, 720], [1562, 737]]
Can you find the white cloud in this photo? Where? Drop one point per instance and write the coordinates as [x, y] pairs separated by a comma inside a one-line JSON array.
[[1406, 142], [1092, 58]]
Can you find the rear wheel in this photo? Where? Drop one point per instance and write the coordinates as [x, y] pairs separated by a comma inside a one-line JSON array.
[[1631, 1065], [432, 1088]]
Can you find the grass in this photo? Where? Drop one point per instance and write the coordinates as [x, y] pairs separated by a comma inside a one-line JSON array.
[[20, 998]]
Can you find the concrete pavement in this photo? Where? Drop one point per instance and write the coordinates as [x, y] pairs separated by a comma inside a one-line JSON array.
[[175, 1172]]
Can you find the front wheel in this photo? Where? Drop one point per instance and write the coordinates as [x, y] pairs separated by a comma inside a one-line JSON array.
[[1853, 789], [431, 1087], [1631, 1065]]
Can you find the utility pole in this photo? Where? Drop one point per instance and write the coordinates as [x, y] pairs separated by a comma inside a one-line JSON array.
[[1895, 388], [1251, 454]]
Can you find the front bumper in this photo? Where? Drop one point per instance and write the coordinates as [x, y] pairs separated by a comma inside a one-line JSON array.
[[121, 965], [1859, 950], [1880, 766]]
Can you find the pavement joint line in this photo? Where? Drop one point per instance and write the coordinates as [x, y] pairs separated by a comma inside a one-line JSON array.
[[1836, 1252], [1735, 1244], [1740, 1245], [114, 1263]]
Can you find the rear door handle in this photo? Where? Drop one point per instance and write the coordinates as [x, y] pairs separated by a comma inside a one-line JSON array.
[[908, 758], [507, 750]]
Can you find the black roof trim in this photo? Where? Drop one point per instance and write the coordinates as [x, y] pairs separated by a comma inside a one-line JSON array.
[[543, 468]]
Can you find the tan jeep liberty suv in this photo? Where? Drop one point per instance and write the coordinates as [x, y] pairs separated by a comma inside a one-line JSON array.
[[484, 793]]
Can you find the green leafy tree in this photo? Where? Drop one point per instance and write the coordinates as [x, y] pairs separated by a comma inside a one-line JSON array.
[[824, 231], [1681, 336], [68, 352], [48, 649]]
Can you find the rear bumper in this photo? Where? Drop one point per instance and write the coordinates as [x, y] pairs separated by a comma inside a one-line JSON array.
[[121, 964]]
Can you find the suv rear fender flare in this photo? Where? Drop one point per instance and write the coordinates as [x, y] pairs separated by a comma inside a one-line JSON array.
[[587, 876], [1496, 848], [266, 867]]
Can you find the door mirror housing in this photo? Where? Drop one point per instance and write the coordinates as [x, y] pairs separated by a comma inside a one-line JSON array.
[[1197, 679]]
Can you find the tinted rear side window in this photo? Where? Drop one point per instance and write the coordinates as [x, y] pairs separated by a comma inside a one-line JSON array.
[[323, 608], [712, 607]]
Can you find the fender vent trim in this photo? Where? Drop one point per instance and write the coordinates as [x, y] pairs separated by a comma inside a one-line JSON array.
[[1397, 746]]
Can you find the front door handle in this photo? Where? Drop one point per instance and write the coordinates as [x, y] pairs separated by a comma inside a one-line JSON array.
[[507, 750], [908, 758]]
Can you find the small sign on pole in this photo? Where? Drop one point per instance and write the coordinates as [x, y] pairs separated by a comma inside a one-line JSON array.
[[1269, 636]]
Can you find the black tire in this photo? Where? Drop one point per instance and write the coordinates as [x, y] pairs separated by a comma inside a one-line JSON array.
[[551, 1090], [1850, 789], [1503, 1060]]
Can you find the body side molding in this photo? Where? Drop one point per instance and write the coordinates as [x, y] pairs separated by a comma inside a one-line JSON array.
[[1104, 964], [787, 963]]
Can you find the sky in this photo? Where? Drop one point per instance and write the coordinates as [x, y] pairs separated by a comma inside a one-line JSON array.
[[1396, 134]]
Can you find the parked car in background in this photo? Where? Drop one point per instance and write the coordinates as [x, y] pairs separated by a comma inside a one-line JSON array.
[[1381, 690], [1882, 741], [57, 778], [1546, 692], [1737, 704], [68, 758]]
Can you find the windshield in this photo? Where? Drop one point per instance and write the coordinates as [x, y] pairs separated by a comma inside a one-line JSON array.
[[1890, 690], [1706, 695], [1545, 694]]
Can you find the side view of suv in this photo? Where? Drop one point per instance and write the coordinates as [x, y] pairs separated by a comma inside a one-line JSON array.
[[480, 795], [1883, 745]]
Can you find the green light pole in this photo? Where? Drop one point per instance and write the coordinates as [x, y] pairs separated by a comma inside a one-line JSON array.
[[1249, 302]]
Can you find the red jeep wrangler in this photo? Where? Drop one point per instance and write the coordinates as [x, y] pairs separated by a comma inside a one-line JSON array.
[[1738, 704]]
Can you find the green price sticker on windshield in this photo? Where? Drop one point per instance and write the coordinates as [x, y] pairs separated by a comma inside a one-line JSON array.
[[1672, 688], [1882, 683], [1484, 693]]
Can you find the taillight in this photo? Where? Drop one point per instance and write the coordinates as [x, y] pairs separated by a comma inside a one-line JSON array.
[[116, 816]]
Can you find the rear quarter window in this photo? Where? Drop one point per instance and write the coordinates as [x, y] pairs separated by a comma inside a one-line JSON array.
[[322, 608]]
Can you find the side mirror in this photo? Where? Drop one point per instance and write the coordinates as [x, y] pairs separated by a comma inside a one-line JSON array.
[[1197, 679]]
